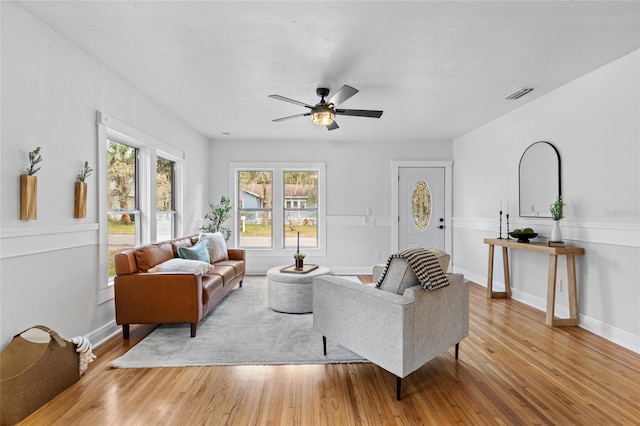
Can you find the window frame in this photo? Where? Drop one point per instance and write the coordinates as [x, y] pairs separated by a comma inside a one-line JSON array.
[[278, 210], [109, 128]]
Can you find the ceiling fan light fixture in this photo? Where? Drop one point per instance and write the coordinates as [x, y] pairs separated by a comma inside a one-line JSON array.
[[322, 116]]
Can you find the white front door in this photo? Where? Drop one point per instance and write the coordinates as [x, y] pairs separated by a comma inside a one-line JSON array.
[[421, 207]]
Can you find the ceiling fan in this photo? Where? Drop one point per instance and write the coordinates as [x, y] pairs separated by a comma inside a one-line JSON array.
[[323, 113]]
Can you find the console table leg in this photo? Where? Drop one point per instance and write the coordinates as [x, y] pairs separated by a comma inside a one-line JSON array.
[[573, 290], [490, 273], [507, 274], [551, 289]]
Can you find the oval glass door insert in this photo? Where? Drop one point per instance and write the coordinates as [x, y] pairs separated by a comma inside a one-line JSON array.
[[421, 205]]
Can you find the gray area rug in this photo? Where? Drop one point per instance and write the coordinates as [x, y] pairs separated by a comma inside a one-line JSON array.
[[240, 330]]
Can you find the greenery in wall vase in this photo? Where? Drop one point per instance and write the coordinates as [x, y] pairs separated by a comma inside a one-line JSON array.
[[85, 172], [80, 206], [34, 158], [29, 187]]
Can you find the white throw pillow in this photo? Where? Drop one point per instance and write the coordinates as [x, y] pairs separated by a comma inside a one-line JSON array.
[[183, 265], [216, 245]]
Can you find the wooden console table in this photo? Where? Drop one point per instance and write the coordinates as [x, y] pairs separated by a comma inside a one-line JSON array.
[[553, 252]]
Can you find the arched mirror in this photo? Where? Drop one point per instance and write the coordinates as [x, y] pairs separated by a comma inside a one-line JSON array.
[[539, 177]]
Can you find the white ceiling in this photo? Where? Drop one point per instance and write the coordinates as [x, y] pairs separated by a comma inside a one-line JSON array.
[[438, 69]]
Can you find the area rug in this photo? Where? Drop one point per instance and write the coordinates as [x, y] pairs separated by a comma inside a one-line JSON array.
[[240, 330]]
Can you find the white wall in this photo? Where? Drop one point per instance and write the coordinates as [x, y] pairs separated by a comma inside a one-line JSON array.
[[51, 91], [358, 177], [594, 122]]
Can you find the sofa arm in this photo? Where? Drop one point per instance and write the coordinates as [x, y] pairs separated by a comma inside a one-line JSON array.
[[159, 297], [369, 321], [236, 253]]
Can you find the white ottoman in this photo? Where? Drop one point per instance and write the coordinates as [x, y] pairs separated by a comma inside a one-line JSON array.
[[292, 293]]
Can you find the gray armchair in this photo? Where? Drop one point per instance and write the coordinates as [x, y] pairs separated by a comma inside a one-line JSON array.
[[398, 332]]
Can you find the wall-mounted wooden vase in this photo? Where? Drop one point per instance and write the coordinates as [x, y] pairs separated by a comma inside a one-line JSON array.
[[80, 209], [28, 197]]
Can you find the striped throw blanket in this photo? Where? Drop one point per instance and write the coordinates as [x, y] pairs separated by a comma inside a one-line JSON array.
[[424, 265]]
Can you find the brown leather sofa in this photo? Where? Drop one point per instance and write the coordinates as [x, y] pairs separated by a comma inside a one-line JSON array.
[[143, 297]]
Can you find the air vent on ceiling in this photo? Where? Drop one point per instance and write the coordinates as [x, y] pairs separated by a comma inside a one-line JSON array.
[[520, 93]]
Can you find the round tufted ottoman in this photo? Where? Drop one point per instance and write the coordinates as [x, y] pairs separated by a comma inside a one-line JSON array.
[[292, 293]]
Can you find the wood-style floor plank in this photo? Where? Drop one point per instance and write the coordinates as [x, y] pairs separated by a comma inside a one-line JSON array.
[[512, 369]]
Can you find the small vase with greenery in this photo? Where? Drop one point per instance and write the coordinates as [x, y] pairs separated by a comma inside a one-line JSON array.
[[218, 214], [299, 258], [556, 215]]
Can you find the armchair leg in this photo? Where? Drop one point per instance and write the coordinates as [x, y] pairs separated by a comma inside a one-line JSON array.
[[457, 348], [398, 388], [324, 345], [193, 329], [241, 283]]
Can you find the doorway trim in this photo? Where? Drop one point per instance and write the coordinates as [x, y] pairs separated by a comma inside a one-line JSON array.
[[448, 198]]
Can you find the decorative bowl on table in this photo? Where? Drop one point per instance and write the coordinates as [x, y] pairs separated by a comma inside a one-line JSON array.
[[523, 237]]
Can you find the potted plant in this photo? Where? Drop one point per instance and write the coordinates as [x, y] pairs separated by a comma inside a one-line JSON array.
[[217, 216], [80, 207], [299, 258], [556, 215], [29, 187]]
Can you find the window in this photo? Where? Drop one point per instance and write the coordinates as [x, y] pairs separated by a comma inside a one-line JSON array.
[[300, 208], [277, 201], [255, 213], [123, 216], [165, 208], [140, 178]]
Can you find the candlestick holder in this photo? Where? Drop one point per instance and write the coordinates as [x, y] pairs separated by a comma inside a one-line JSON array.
[[500, 237], [508, 237]]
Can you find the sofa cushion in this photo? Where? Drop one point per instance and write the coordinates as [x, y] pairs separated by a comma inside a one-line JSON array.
[[226, 272], [210, 284], [401, 276], [153, 254], [182, 265], [238, 266], [197, 252], [180, 242], [216, 245]]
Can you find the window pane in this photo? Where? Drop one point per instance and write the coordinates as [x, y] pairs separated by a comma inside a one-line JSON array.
[[122, 200], [254, 212], [301, 208], [121, 235], [121, 175], [164, 226], [164, 184]]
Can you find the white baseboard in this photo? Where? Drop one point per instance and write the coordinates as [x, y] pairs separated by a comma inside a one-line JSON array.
[[104, 333], [613, 334]]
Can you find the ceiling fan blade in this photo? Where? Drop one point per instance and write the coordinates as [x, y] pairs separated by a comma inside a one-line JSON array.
[[344, 93], [292, 116], [293, 101], [359, 112], [333, 125]]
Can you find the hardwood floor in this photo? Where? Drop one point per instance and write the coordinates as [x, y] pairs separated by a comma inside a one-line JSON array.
[[512, 370]]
